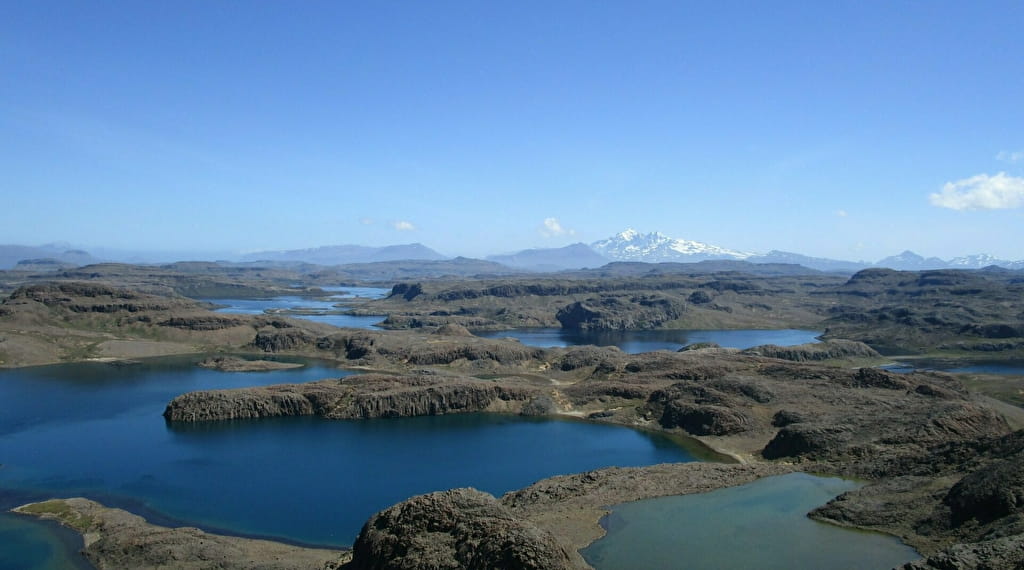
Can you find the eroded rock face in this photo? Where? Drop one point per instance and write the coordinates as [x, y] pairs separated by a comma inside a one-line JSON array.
[[705, 420], [620, 312], [830, 349], [1006, 552], [805, 439], [992, 492], [357, 397], [461, 528]]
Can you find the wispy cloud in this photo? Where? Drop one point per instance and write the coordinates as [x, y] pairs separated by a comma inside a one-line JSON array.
[[841, 213], [366, 221], [1010, 155], [981, 192], [403, 226], [551, 227]]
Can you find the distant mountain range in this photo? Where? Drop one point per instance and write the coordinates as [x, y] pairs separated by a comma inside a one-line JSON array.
[[627, 246], [51, 255], [631, 245], [345, 254], [575, 256]]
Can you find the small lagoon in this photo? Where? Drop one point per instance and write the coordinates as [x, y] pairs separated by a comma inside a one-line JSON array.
[[759, 525]]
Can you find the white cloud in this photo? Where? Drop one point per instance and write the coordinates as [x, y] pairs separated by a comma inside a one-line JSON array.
[[403, 226], [841, 213], [553, 228], [366, 221], [1010, 155], [981, 192]]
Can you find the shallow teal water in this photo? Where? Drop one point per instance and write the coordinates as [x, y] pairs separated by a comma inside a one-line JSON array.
[[761, 525], [648, 340], [96, 430], [28, 543]]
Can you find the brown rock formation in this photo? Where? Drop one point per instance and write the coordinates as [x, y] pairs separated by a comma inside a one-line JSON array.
[[457, 529]]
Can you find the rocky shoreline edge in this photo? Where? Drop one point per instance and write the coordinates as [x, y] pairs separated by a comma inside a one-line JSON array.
[[943, 466], [550, 522]]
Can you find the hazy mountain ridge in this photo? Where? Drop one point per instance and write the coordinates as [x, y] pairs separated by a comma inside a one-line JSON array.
[[11, 255], [574, 256], [626, 246], [345, 254]]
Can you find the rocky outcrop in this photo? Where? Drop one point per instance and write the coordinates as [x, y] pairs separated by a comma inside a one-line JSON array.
[[992, 492], [620, 312], [996, 554], [705, 419], [828, 350], [457, 529], [354, 397], [202, 323], [806, 440], [282, 340], [452, 329], [927, 499], [235, 364]]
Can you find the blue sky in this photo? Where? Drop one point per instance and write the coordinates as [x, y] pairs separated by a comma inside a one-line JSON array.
[[851, 130]]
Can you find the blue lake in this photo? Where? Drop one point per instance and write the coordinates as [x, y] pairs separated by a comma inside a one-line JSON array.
[[648, 340], [760, 525], [1009, 367], [325, 311], [96, 430], [322, 310]]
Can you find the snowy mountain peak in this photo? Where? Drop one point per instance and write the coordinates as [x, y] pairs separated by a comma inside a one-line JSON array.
[[978, 261], [631, 245]]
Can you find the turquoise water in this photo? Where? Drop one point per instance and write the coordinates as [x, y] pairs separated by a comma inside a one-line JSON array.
[[29, 543], [761, 525], [648, 340], [96, 430]]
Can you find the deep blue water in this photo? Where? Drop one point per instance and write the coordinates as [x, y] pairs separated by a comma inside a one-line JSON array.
[[329, 313], [759, 525], [96, 430], [648, 340]]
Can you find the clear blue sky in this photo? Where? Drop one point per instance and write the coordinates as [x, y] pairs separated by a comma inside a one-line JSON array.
[[851, 130]]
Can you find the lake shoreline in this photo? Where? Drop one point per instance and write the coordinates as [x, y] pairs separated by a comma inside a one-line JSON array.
[[573, 519]]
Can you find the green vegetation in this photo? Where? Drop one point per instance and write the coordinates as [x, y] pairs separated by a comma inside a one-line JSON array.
[[61, 511]]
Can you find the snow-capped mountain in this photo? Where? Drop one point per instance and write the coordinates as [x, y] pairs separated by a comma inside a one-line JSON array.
[[656, 247], [977, 261]]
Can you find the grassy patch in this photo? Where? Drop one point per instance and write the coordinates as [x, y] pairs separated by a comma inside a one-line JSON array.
[[1007, 388], [81, 351], [61, 511]]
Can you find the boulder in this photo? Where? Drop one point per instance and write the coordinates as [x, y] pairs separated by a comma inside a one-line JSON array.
[[460, 528], [705, 419], [806, 439], [992, 492]]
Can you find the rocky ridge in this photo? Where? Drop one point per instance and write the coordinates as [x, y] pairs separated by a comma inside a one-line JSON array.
[[355, 397]]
